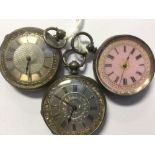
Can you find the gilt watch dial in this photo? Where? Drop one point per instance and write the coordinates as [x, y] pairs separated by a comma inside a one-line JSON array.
[[26, 60], [73, 105], [124, 65]]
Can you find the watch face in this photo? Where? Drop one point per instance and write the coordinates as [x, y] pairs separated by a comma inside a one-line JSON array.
[[73, 105], [26, 60], [124, 65]]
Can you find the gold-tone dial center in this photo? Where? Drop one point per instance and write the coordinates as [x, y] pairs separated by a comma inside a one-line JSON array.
[[124, 65], [28, 56], [27, 61]]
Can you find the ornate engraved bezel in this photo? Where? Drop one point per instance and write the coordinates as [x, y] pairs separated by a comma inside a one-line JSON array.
[[124, 91], [46, 112], [20, 84]]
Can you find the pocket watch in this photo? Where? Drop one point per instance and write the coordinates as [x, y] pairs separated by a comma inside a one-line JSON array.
[[27, 61], [74, 104], [124, 65]]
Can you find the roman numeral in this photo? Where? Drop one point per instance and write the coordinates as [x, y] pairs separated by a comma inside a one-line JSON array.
[[30, 77], [9, 59], [83, 124], [74, 127], [54, 105], [141, 64], [91, 97], [108, 65], [56, 116], [74, 88], [11, 49], [125, 82], [139, 73], [65, 90], [46, 66], [93, 108], [116, 80], [48, 57], [138, 56], [133, 50], [133, 79], [110, 56], [124, 49], [83, 90], [44, 48], [63, 124], [110, 73], [39, 73], [116, 51], [90, 117], [18, 43]]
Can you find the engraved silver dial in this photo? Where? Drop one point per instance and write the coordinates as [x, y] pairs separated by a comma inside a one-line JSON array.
[[26, 60], [73, 105]]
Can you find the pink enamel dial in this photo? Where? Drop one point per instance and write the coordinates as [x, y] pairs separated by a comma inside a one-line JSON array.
[[124, 65]]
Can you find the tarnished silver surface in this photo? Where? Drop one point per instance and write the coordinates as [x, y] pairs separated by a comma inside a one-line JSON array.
[[57, 41], [73, 105], [26, 60]]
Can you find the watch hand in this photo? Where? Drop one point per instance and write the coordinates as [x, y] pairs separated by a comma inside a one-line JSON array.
[[122, 76], [69, 119], [63, 101], [29, 73], [125, 66], [74, 108], [129, 55], [28, 58]]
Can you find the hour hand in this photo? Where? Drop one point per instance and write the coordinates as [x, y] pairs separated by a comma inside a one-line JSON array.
[[74, 108], [28, 58]]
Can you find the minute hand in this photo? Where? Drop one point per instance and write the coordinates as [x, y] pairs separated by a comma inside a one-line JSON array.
[[125, 65], [63, 100]]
